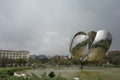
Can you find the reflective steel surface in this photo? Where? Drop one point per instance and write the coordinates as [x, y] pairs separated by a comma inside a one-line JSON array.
[[92, 46]]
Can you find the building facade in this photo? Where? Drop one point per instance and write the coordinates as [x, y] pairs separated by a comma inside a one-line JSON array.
[[14, 54]]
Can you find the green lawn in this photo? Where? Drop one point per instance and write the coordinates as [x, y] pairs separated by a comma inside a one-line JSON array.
[[98, 73], [88, 73], [13, 68], [5, 73]]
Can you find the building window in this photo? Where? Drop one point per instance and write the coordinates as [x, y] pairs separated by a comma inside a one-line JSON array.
[[3, 54], [24, 56]]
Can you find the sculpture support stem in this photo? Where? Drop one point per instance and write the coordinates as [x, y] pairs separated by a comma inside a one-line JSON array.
[[81, 64]]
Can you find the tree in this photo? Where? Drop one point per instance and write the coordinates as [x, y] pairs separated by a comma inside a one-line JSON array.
[[4, 61], [113, 57], [21, 61]]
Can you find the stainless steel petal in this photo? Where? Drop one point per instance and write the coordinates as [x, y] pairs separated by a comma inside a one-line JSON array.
[[99, 46], [78, 44]]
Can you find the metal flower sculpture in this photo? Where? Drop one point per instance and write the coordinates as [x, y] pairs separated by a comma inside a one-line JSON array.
[[90, 47]]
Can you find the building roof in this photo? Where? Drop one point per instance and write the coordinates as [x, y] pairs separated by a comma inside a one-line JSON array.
[[22, 51]]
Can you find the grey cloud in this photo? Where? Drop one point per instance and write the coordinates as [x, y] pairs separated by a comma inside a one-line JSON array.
[[47, 26]]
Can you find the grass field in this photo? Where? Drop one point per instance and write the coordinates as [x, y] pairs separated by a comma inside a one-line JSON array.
[[6, 73], [88, 73], [100, 73]]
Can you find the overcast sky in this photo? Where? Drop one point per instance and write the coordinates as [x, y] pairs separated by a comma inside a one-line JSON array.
[[47, 26]]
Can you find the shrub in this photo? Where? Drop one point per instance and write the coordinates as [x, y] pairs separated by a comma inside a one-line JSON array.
[[10, 72], [52, 74]]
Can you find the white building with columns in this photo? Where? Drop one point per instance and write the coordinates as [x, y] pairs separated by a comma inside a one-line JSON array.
[[14, 54]]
